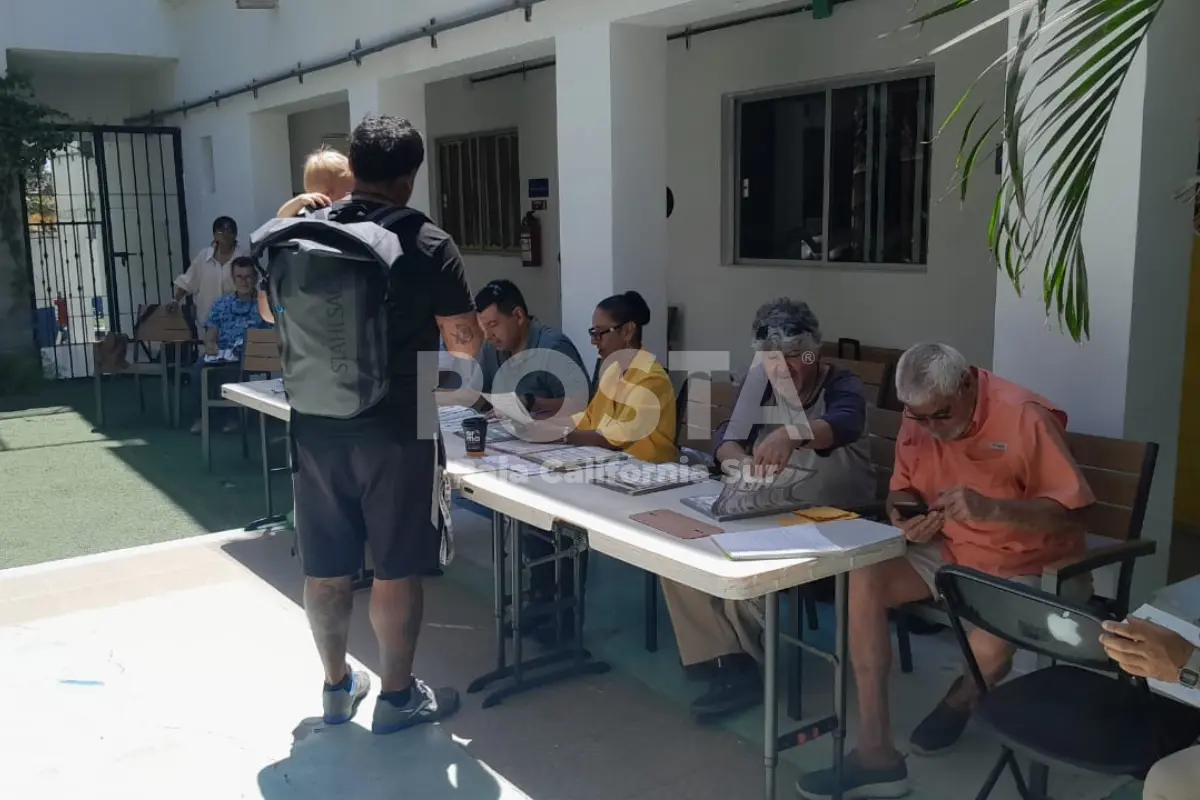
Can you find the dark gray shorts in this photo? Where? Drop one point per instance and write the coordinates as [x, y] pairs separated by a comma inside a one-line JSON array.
[[353, 492]]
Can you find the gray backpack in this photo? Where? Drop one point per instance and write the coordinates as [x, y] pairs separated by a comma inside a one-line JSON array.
[[328, 277]]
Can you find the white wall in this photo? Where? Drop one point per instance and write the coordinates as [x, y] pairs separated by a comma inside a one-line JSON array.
[[1126, 380], [308, 130], [97, 95], [951, 301], [126, 27], [455, 107], [258, 43]]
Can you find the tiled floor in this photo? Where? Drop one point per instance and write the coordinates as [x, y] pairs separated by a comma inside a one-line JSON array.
[[186, 670]]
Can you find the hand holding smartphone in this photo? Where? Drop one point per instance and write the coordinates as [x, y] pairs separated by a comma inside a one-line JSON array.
[[910, 509]]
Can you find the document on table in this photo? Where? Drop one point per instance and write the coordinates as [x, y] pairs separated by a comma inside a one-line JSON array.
[[1188, 629], [572, 458], [509, 464], [450, 416], [509, 406], [792, 541], [522, 448], [640, 477]]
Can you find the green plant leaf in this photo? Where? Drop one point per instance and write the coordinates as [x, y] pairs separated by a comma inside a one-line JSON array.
[[1063, 79]]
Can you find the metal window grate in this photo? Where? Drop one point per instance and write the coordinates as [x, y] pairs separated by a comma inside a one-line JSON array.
[[479, 183]]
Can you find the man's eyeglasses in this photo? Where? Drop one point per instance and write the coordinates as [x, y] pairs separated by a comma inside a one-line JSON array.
[[941, 415], [787, 330]]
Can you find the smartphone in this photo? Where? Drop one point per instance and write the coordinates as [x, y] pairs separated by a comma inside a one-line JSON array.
[[907, 509]]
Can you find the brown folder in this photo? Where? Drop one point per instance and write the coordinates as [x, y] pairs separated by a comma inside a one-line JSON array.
[[675, 524]]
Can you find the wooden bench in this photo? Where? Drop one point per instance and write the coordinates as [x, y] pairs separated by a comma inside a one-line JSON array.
[[1119, 472]]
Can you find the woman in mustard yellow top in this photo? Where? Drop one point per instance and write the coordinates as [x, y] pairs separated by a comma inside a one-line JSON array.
[[634, 406]]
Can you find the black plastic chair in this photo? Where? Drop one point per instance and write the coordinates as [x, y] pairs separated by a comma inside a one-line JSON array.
[[1081, 714]]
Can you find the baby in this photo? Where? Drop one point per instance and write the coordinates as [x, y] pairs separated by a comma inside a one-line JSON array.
[[327, 179]]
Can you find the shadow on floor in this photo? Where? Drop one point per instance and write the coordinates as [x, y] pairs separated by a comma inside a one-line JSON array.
[[326, 761], [593, 738]]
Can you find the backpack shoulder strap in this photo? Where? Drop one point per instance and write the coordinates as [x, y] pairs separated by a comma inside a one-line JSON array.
[[389, 215]]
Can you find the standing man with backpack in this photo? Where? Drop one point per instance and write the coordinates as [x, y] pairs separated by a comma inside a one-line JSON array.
[[358, 293]]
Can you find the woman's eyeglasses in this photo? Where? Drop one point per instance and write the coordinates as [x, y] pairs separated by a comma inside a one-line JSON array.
[[596, 333]]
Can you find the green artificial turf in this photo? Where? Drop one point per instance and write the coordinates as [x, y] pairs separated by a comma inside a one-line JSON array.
[[69, 489]]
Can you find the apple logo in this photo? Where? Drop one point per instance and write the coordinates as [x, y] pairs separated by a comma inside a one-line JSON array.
[[1064, 629]]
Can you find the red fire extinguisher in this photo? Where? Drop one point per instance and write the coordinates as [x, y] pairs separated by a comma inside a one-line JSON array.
[[531, 241]]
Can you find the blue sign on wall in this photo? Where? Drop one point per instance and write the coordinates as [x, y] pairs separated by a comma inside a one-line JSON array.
[[539, 188]]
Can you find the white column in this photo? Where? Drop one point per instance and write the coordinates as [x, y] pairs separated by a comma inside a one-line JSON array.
[[1125, 381], [402, 97], [270, 164], [612, 145]]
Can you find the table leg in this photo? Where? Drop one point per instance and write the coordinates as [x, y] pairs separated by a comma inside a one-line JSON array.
[[523, 675], [164, 357], [770, 700], [840, 674], [271, 518], [515, 591], [499, 581], [178, 404], [266, 462]]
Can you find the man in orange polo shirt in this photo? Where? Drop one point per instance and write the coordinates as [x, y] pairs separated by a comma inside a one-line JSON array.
[[1004, 495]]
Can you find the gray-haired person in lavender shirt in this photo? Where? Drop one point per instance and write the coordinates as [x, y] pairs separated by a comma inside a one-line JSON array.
[[719, 639]]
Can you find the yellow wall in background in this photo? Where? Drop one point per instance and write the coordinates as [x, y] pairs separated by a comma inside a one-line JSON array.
[[1187, 478]]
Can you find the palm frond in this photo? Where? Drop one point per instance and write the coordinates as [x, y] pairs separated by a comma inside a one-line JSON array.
[[1063, 77]]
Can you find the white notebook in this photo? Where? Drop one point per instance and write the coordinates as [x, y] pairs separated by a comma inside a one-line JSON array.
[[792, 541]]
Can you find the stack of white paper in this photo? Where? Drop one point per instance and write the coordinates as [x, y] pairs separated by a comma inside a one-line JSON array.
[[792, 541]]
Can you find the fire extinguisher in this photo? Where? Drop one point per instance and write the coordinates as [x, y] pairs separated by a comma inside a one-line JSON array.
[[531, 241]]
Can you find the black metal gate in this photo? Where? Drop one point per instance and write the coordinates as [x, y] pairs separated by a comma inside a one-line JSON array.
[[106, 233]]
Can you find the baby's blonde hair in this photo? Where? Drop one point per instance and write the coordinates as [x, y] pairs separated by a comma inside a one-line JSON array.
[[326, 166]]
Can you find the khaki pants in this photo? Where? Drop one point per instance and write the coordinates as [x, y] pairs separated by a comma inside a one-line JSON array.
[[1176, 777], [708, 627]]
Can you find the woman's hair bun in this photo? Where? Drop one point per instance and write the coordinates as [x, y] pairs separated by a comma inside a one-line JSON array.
[[639, 311]]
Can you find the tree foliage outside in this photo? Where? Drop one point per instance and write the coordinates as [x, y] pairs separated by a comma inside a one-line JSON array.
[[30, 133]]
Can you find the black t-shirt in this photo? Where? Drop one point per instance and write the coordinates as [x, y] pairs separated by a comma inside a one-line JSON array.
[[426, 282]]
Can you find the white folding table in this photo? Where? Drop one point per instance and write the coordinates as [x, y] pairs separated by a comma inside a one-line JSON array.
[[698, 563], [544, 501]]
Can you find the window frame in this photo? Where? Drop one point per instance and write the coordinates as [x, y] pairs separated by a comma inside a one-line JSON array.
[[731, 189], [465, 139]]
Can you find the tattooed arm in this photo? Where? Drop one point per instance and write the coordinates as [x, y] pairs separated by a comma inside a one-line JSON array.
[[462, 334], [454, 305]]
